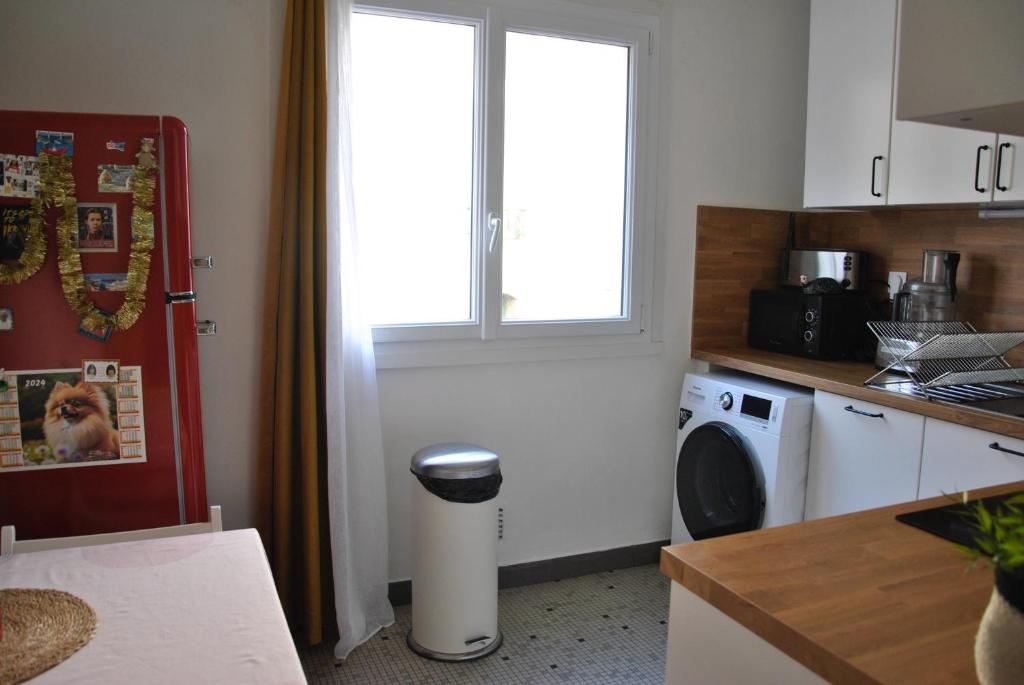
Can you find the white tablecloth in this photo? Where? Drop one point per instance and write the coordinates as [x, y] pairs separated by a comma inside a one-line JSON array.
[[190, 609]]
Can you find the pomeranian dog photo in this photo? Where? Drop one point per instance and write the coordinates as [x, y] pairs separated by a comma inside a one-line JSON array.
[[78, 423]]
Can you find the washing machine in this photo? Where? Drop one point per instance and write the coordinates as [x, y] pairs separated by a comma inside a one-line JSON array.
[[741, 455]]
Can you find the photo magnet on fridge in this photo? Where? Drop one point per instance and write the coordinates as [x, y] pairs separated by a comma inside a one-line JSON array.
[[100, 335], [6, 319], [101, 370], [97, 227], [20, 176], [115, 178], [55, 143], [98, 283]]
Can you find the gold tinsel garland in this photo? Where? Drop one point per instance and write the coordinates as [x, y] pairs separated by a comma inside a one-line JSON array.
[[58, 189], [34, 253]]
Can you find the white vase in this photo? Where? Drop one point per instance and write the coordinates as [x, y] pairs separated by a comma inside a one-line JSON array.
[[999, 646]]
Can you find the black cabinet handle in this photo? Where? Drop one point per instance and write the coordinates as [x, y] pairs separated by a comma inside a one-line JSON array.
[[850, 409], [997, 446], [977, 168], [999, 167], [874, 166]]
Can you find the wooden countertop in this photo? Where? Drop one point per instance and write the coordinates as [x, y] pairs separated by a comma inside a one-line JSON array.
[[859, 598], [847, 378]]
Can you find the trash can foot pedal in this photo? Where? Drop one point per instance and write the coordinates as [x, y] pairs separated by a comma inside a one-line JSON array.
[[483, 651]]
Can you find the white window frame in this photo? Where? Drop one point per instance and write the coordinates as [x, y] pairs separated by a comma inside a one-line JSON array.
[[553, 18]]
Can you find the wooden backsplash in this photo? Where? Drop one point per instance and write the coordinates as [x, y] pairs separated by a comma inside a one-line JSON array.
[[739, 249]]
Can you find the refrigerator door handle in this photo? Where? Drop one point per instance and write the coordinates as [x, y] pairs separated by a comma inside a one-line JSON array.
[[180, 298]]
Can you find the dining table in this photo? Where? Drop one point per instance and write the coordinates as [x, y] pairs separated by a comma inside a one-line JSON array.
[[197, 608]]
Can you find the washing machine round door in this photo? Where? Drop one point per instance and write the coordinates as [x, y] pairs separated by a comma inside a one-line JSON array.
[[718, 483]]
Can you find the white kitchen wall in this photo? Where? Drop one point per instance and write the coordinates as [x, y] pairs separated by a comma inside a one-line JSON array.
[[587, 446]]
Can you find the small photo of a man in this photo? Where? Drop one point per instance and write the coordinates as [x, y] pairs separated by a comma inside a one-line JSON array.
[[97, 227]]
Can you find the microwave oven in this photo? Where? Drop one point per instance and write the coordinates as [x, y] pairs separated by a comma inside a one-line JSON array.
[[819, 326]]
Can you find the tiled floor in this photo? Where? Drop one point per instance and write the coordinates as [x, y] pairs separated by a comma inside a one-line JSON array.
[[599, 629]]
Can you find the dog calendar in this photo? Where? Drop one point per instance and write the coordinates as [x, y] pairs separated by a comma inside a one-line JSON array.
[[54, 418]]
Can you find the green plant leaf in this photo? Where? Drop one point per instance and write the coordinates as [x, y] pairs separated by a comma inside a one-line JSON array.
[[999, 533], [984, 519], [1013, 546]]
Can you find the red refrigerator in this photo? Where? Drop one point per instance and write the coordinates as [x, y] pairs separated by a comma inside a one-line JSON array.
[[100, 422]]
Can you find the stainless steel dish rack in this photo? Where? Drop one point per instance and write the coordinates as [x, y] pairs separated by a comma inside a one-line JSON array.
[[939, 354]]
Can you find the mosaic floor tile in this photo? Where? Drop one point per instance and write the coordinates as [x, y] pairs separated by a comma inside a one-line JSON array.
[[602, 629]]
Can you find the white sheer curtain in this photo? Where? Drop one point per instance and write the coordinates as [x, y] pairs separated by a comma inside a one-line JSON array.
[[355, 457]]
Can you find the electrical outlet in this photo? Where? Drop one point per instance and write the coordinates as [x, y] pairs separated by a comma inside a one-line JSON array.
[[896, 281], [501, 523]]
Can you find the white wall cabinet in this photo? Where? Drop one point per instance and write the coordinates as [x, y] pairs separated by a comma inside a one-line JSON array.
[[959, 458], [863, 455], [937, 164], [849, 102], [857, 154], [934, 164]]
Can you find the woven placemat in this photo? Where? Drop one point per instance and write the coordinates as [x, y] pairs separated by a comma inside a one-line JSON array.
[[41, 628]]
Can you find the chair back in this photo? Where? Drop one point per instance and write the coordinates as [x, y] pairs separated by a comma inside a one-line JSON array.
[[9, 544]]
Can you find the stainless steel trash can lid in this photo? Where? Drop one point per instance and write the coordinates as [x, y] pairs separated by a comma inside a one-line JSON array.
[[454, 461]]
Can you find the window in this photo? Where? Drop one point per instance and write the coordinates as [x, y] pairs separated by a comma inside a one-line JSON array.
[[502, 170]]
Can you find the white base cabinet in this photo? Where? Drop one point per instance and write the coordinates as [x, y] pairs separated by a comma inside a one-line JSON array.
[[707, 646], [958, 458], [863, 455]]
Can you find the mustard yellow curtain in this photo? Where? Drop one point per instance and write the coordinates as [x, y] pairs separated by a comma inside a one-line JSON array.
[[292, 488]]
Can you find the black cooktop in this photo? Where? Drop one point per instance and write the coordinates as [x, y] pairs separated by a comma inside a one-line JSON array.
[[951, 521]]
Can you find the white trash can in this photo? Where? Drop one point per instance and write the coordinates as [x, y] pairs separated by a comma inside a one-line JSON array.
[[455, 552]]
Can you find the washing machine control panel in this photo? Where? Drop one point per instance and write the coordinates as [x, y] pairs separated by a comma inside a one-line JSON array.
[[758, 408], [750, 402], [755, 408]]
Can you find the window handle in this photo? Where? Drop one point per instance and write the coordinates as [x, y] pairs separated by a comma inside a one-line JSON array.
[[494, 224]]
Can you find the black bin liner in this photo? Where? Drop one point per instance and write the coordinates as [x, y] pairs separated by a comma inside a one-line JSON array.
[[463, 490]]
